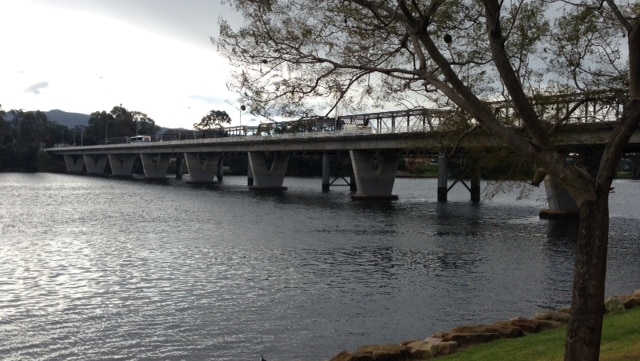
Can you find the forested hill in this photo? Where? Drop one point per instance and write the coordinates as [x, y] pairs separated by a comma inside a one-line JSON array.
[[67, 119]]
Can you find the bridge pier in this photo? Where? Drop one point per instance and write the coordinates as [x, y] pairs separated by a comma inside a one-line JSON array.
[[95, 163], [443, 178], [326, 172], [443, 181], [74, 163], [268, 177], [179, 165], [202, 167], [561, 204], [374, 174], [220, 170], [155, 166], [121, 164], [249, 176]]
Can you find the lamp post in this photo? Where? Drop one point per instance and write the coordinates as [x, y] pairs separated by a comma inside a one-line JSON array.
[[242, 109]]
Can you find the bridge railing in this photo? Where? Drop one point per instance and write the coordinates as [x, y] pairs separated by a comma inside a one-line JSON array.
[[566, 108]]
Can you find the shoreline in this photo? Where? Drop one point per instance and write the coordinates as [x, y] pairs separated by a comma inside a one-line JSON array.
[[464, 337]]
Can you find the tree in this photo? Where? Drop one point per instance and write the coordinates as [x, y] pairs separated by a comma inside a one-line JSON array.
[[460, 54], [5, 128], [117, 125], [23, 136], [214, 119], [98, 129]]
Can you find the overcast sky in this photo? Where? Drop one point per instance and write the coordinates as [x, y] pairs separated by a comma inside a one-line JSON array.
[[152, 56]]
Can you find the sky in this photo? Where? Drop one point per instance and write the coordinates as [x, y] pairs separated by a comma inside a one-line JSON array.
[[82, 56]]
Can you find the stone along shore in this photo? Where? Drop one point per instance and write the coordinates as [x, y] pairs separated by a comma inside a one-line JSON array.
[[446, 343]]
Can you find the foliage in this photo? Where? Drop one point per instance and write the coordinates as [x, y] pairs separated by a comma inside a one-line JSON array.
[[23, 135], [214, 119], [117, 126], [296, 59]]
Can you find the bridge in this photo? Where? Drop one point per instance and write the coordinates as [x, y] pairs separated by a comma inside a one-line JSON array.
[[375, 143]]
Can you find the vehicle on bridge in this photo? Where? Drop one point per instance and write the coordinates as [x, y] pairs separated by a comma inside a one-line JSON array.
[[356, 129], [140, 139]]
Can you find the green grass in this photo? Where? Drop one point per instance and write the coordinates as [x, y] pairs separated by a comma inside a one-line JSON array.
[[620, 342]]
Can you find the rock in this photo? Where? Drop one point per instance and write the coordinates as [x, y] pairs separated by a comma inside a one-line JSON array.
[[504, 329], [632, 300], [529, 326], [526, 325], [614, 305], [421, 349], [558, 316], [342, 356], [388, 352], [444, 347], [467, 339], [550, 325]]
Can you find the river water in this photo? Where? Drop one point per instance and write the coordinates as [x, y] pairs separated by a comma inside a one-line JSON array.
[[109, 269]]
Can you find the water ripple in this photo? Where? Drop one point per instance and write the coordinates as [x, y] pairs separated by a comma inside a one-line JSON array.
[[106, 269]]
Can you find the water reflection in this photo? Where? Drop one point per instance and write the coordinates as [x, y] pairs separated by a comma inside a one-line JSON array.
[[565, 231], [128, 269]]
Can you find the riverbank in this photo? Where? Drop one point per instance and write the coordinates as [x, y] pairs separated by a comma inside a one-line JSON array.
[[465, 337]]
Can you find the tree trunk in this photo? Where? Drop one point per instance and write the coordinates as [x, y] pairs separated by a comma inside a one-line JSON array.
[[587, 307]]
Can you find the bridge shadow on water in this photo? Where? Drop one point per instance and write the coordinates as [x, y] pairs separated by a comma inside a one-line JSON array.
[[564, 231]]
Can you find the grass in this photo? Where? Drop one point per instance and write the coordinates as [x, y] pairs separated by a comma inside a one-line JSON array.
[[620, 342]]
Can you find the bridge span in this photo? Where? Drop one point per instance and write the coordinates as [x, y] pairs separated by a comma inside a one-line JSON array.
[[374, 153]]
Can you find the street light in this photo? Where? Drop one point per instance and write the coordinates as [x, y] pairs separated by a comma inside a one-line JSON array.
[[242, 109]]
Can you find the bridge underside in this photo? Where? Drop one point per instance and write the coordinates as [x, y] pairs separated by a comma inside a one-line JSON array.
[[372, 173]]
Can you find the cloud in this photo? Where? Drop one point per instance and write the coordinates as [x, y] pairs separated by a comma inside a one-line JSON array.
[[206, 99], [35, 88]]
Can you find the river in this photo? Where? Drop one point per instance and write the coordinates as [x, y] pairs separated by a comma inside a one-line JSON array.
[[110, 269]]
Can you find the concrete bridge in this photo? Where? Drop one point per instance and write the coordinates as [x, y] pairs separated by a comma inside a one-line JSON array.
[[375, 144]]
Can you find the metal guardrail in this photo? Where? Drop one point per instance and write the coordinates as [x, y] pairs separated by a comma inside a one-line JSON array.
[[571, 108]]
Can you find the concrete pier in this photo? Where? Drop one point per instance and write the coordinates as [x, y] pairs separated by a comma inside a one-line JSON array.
[[268, 176], [202, 167], [374, 174], [155, 165], [122, 164], [561, 204], [74, 163], [95, 163], [443, 180], [326, 172]]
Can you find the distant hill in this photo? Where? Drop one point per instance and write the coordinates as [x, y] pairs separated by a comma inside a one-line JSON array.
[[69, 120]]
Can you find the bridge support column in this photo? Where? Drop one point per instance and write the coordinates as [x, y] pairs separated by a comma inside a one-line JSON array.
[[249, 176], [443, 179], [121, 164], [74, 163], [220, 170], [374, 174], [561, 204], [475, 187], [202, 166], [155, 165], [179, 165], [326, 172], [95, 163], [268, 177]]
